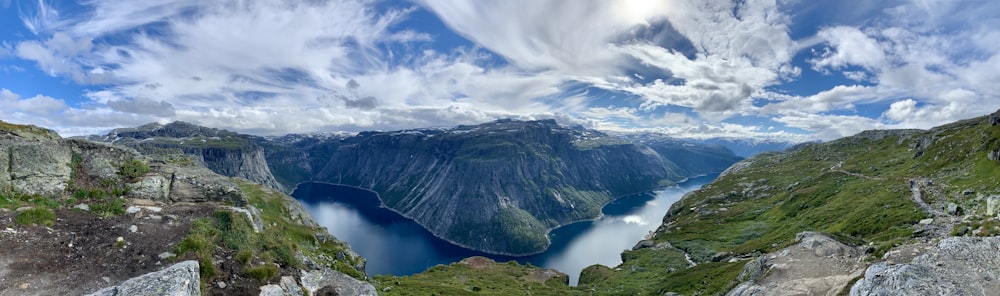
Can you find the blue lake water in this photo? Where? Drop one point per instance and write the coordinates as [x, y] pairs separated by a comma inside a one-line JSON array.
[[396, 245]]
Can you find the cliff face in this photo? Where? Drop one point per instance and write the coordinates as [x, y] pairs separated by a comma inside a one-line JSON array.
[[496, 187], [224, 152]]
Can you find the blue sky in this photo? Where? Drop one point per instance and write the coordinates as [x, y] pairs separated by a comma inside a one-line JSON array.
[[781, 69]]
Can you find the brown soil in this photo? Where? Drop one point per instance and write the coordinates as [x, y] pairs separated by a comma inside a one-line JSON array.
[[78, 254]]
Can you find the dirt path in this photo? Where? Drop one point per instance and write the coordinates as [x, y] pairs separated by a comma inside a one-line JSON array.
[[917, 197], [78, 253]]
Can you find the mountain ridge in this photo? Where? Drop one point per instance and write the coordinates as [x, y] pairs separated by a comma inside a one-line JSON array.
[[536, 175]]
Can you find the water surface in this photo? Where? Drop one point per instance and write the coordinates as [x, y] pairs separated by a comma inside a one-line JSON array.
[[396, 245]]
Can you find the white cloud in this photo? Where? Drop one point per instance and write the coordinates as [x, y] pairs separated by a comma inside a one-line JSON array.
[[569, 37], [279, 66], [848, 46]]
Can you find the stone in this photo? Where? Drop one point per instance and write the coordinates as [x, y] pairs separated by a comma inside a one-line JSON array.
[[343, 284], [952, 208], [181, 279], [221, 285], [954, 266], [927, 221], [82, 207], [646, 243], [153, 187], [133, 229], [39, 167], [271, 290], [166, 255], [289, 285], [824, 246], [198, 184], [253, 216], [286, 287], [132, 210], [22, 209], [992, 204]]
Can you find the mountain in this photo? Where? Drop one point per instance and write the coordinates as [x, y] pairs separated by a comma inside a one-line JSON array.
[[496, 187], [883, 212], [742, 147], [85, 216], [691, 156], [224, 152], [747, 147]]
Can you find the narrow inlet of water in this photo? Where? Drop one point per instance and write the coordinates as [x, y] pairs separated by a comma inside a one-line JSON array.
[[396, 245]]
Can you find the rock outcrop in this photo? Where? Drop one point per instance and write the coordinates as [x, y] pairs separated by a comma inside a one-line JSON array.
[[340, 283], [224, 152], [181, 279], [817, 265], [954, 266]]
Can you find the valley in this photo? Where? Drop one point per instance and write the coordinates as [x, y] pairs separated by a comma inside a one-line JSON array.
[[819, 217]]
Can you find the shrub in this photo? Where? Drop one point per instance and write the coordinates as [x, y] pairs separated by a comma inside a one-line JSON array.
[[132, 169], [262, 273], [244, 257], [36, 216], [109, 208]]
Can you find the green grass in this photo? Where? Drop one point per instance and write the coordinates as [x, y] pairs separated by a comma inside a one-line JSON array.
[[110, 207], [262, 273], [36, 216], [508, 278], [226, 232]]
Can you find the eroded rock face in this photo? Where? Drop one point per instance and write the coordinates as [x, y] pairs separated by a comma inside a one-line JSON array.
[[341, 283], [817, 265], [954, 266], [180, 279], [38, 167], [197, 184]]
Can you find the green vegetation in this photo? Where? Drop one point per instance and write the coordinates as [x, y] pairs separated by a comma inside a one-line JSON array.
[[262, 273], [28, 131], [478, 276], [133, 169], [229, 233], [110, 207], [36, 216]]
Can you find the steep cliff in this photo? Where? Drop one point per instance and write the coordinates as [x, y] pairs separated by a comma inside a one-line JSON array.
[[224, 152], [496, 187]]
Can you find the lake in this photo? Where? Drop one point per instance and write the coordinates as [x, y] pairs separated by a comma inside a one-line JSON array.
[[396, 245]]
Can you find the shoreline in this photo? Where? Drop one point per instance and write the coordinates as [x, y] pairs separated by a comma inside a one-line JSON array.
[[548, 239]]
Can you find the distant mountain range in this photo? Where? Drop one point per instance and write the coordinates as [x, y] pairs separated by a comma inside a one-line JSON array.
[[497, 187], [742, 147]]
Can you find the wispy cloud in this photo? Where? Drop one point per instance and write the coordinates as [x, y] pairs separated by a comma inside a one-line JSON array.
[[687, 68]]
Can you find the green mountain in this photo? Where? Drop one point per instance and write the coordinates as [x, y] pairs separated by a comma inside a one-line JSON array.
[[905, 205], [496, 187]]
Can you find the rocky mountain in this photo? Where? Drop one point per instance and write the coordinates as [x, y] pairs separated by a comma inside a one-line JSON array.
[[742, 147], [747, 147], [496, 187], [224, 152], [885, 212], [691, 156], [80, 216]]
